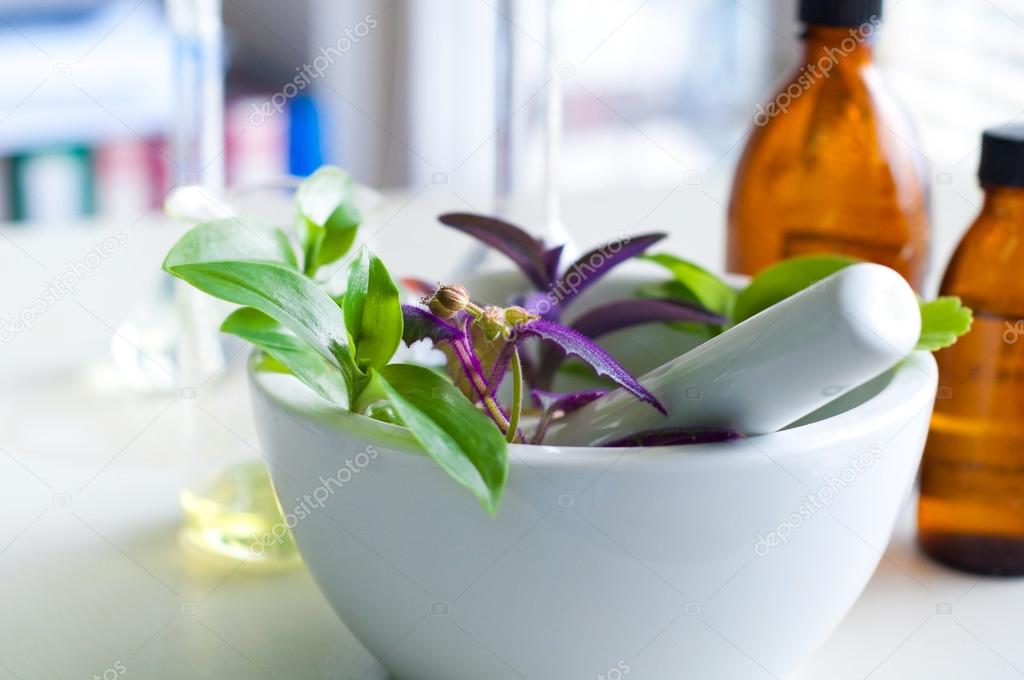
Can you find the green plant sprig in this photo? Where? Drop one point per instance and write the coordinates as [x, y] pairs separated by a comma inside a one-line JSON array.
[[943, 320], [343, 352]]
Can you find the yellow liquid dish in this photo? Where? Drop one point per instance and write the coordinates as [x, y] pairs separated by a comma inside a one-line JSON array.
[[236, 515]]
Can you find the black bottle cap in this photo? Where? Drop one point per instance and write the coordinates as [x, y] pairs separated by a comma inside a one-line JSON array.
[[1002, 156], [839, 12]]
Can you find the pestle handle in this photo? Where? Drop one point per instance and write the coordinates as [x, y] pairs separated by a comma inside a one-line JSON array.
[[773, 368]]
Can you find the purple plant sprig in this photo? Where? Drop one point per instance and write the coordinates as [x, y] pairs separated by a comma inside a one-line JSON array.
[[455, 319], [589, 352], [556, 289], [422, 324], [617, 315], [541, 265]]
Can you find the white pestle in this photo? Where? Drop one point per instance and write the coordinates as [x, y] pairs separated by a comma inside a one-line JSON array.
[[771, 369]]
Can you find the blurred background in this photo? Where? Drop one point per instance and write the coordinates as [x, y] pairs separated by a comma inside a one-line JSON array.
[[407, 92]]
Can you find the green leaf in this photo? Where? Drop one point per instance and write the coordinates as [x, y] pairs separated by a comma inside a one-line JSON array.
[[284, 294], [779, 281], [943, 320], [373, 311], [301, 360], [328, 218], [231, 239], [285, 244], [457, 435], [696, 284]]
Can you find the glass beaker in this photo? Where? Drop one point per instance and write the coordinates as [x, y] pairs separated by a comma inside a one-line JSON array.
[[228, 500]]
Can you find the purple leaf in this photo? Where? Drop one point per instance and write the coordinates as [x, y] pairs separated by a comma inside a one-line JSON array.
[[566, 402], [552, 258], [621, 314], [676, 437], [544, 303], [526, 251], [626, 313], [591, 266], [553, 402], [590, 353], [421, 323]]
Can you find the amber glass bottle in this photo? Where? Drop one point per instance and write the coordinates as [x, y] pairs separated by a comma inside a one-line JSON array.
[[971, 512], [831, 165]]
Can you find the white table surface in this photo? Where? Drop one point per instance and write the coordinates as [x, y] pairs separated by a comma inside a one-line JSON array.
[[96, 582]]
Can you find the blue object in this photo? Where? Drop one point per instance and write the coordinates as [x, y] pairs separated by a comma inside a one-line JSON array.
[[305, 147]]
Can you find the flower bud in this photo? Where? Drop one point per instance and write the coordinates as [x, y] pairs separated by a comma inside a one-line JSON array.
[[448, 301], [439, 309], [492, 322], [517, 316], [453, 297]]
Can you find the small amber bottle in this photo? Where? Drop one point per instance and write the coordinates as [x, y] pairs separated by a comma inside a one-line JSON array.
[[832, 164], [971, 511]]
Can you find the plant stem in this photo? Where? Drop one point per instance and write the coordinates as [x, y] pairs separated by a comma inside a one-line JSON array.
[[496, 415], [369, 393], [480, 385], [542, 428], [517, 396]]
